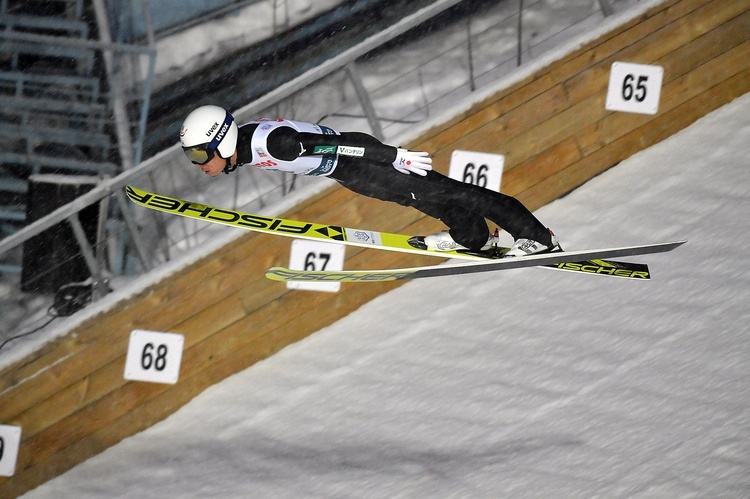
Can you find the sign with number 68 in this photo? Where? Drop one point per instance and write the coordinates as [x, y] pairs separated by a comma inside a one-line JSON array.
[[634, 88], [154, 356], [478, 168]]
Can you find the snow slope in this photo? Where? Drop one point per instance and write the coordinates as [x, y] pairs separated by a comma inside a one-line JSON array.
[[522, 383]]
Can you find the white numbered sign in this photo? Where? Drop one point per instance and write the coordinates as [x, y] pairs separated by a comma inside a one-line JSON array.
[[154, 356], [478, 168], [634, 88], [10, 440], [316, 255]]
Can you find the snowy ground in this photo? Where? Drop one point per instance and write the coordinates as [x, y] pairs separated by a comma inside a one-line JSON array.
[[524, 383]]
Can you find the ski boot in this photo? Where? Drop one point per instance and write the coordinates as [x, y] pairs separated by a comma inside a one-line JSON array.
[[442, 241], [526, 247]]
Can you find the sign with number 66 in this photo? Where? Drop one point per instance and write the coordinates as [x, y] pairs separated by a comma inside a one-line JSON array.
[[478, 168], [634, 88], [154, 356]]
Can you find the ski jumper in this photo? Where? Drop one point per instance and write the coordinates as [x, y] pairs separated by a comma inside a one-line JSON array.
[[363, 164]]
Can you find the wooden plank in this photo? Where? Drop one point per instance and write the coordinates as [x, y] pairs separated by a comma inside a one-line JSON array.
[[674, 94], [93, 355], [572, 90], [587, 113], [152, 410], [224, 256], [109, 347], [71, 399], [659, 46], [144, 307], [164, 311], [70, 430], [104, 409], [702, 80], [527, 130], [578, 62], [653, 132], [541, 166], [276, 322], [492, 138], [690, 58]]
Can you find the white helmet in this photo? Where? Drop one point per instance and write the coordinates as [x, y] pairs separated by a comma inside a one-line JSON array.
[[207, 130]]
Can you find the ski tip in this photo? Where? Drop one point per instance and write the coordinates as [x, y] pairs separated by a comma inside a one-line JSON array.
[[675, 244], [133, 193]]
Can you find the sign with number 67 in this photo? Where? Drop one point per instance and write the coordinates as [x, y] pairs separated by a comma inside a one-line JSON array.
[[154, 356], [634, 88], [316, 255]]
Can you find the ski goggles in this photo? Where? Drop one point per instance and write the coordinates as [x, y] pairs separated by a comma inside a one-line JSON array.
[[201, 154]]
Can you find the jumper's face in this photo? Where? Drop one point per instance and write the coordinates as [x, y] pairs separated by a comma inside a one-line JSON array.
[[214, 167]]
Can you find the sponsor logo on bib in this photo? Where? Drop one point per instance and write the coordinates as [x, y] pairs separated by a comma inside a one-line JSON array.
[[350, 151]]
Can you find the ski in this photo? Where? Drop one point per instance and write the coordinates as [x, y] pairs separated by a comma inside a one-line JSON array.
[[353, 237], [560, 260], [287, 227]]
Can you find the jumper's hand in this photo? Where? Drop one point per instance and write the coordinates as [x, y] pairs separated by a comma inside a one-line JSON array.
[[413, 162]]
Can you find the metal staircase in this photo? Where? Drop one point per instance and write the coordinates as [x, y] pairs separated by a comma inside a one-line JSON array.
[[52, 114], [59, 110]]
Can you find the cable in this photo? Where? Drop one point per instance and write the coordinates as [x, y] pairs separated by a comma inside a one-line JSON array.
[[69, 299], [53, 317]]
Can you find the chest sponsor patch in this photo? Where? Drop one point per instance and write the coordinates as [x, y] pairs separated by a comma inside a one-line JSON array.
[[324, 150]]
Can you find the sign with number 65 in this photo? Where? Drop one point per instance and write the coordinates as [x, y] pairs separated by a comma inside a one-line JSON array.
[[634, 88], [154, 356], [478, 168]]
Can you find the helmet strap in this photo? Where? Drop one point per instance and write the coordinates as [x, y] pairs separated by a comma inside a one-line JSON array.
[[228, 168]]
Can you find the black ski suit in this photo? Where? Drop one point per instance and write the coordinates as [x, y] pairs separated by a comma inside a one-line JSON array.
[[462, 207]]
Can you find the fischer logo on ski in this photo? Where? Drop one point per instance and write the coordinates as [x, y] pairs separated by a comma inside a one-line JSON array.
[[223, 215], [604, 267]]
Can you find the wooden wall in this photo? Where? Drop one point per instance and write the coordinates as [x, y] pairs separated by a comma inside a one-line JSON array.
[[70, 396]]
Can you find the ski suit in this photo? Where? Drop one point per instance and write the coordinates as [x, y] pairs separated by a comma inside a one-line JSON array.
[[363, 164]]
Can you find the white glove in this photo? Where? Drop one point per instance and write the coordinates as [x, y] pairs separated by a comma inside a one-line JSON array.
[[412, 162]]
